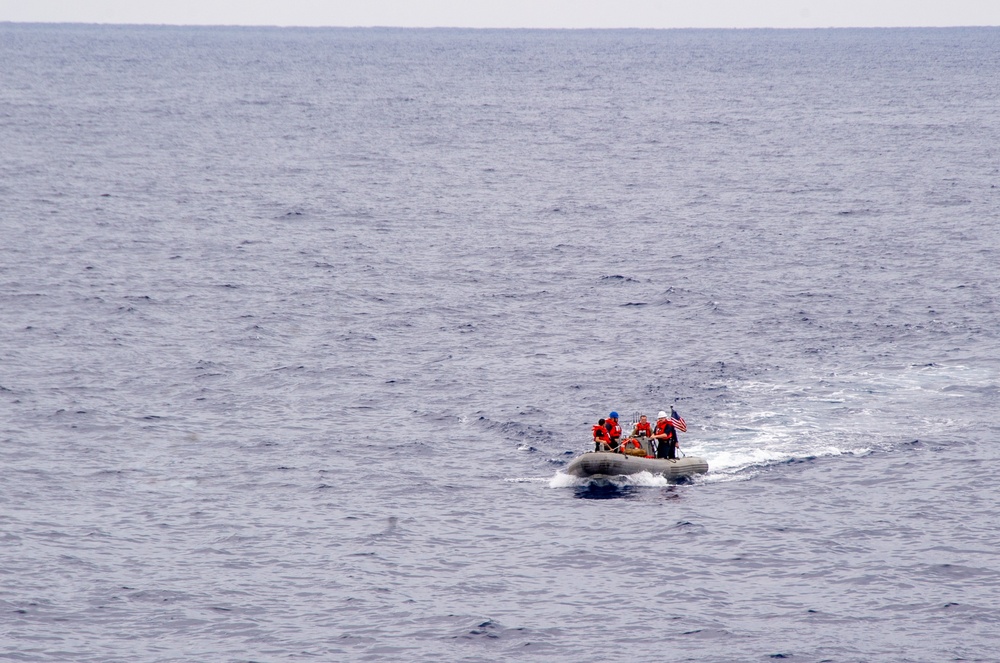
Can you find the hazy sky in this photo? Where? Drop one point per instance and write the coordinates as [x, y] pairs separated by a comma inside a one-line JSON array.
[[513, 13]]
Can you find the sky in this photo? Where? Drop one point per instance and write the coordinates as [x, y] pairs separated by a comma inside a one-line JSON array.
[[513, 13]]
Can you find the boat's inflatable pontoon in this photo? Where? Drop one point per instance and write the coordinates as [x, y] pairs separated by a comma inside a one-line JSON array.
[[607, 464]]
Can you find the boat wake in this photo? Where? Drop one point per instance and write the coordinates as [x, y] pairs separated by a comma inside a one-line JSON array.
[[766, 425]]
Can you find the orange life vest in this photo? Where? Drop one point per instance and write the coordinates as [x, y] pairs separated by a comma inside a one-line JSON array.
[[615, 431], [643, 427], [664, 426], [601, 434]]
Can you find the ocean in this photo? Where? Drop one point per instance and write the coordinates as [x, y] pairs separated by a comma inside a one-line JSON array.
[[299, 329]]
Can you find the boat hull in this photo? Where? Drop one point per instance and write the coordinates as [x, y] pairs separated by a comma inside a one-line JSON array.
[[607, 464]]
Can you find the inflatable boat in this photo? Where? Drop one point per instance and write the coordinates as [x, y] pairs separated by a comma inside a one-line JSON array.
[[606, 464]]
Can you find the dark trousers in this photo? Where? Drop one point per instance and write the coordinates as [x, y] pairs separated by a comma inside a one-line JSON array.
[[666, 448]]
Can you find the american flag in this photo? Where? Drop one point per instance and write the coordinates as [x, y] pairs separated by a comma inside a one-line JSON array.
[[678, 421]]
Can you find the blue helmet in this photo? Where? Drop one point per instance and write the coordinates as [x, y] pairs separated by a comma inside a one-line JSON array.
[[613, 415]]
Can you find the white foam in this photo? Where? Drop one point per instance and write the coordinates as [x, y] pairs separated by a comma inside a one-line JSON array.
[[643, 479], [563, 480]]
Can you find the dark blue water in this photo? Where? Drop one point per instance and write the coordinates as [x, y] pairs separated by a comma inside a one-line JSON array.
[[298, 329]]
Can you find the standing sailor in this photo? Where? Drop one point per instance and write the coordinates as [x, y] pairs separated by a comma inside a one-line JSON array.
[[614, 429], [665, 435]]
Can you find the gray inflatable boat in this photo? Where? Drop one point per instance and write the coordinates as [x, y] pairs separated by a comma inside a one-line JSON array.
[[606, 464]]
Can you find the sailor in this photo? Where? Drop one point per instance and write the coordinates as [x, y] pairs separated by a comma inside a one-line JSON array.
[[665, 436], [602, 442], [614, 429], [642, 428]]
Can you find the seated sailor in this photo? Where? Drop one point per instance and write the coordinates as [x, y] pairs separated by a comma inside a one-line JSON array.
[[602, 441], [614, 429]]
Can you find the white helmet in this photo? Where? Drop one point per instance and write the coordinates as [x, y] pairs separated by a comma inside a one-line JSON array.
[[661, 415]]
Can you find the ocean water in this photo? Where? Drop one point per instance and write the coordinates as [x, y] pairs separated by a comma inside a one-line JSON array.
[[299, 328]]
